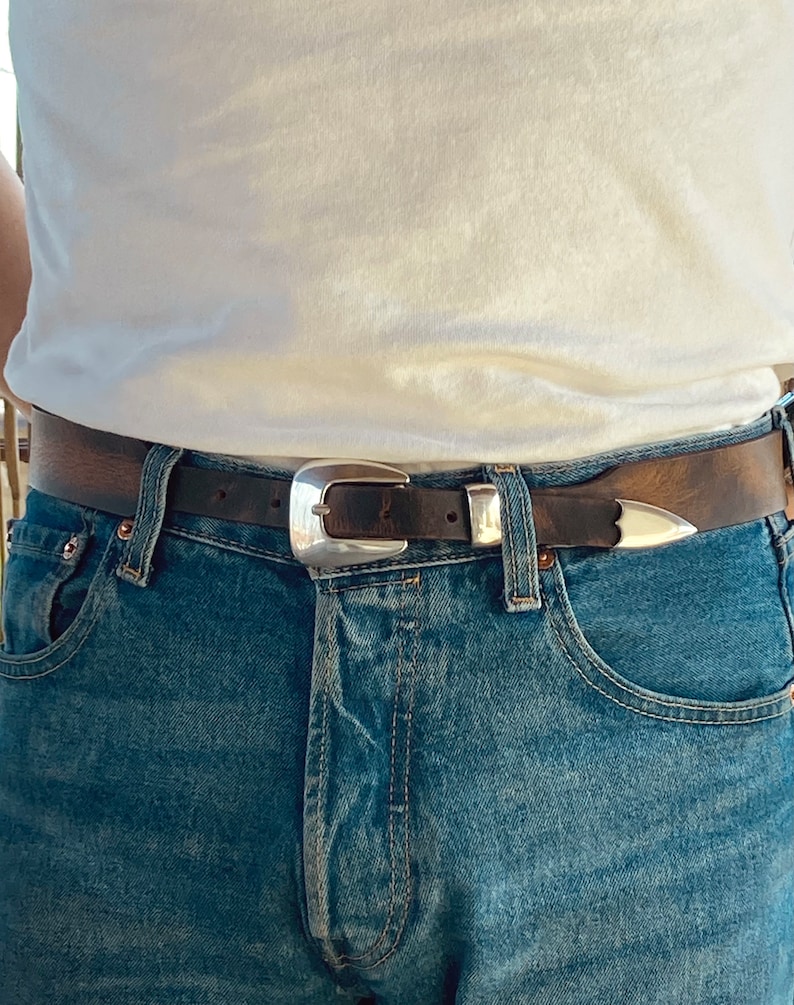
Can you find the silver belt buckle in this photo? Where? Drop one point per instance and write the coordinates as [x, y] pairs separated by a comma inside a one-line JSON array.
[[640, 524], [307, 509]]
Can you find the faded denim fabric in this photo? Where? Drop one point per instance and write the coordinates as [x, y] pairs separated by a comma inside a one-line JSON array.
[[450, 776]]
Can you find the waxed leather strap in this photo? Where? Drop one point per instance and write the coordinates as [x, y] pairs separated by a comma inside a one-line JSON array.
[[709, 488]]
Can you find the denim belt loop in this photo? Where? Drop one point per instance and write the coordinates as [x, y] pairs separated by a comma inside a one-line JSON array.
[[136, 559], [781, 420], [519, 544]]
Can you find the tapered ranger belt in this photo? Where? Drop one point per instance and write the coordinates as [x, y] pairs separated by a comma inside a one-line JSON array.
[[344, 511]]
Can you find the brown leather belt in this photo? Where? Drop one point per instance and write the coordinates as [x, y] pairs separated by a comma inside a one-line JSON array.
[[705, 489]]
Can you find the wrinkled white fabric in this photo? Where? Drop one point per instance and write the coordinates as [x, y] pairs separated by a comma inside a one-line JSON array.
[[430, 231]]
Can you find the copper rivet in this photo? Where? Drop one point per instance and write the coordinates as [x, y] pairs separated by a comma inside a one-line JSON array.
[[70, 547], [124, 530], [545, 559], [792, 693]]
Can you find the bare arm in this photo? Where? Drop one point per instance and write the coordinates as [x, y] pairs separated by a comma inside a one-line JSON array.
[[14, 269]]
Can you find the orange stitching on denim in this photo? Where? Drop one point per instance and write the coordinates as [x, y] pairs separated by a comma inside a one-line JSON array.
[[365, 586], [480, 555], [101, 601], [319, 844], [525, 536], [406, 819], [783, 555], [162, 474], [406, 799], [392, 761], [692, 706], [663, 718], [414, 581], [287, 559], [509, 528], [134, 572], [101, 605], [391, 565], [229, 545], [531, 548]]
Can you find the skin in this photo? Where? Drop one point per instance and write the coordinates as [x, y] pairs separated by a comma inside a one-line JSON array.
[[14, 270]]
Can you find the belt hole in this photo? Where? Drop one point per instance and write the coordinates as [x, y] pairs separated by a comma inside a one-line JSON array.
[[220, 495], [452, 517], [275, 503]]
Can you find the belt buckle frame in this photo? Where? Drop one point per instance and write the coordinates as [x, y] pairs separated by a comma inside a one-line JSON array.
[[309, 540]]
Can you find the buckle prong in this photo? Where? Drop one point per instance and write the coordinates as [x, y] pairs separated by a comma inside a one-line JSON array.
[[309, 539]]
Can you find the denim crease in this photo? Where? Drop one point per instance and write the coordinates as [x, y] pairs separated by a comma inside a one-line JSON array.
[[226, 777]]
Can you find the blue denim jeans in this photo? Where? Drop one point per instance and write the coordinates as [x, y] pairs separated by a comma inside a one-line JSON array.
[[452, 776]]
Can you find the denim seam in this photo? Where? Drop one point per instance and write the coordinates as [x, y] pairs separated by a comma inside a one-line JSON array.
[[780, 542], [322, 796], [526, 528], [232, 545], [362, 569], [692, 443], [406, 814], [784, 556], [511, 536], [133, 572], [507, 525], [72, 653], [145, 546], [322, 864], [406, 796], [716, 710], [33, 552], [653, 715], [125, 566], [490, 552], [392, 762], [578, 634], [367, 586]]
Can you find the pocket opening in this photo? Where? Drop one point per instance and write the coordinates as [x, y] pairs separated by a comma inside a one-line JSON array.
[[51, 603], [701, 625]]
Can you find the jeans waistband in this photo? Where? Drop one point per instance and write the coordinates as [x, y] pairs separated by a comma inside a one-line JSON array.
[[542, 475], [153, 514]]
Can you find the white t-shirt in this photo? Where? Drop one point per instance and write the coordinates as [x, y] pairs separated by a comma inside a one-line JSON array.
[[430, 231]]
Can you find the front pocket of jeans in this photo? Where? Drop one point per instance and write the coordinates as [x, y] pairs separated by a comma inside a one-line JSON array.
[[55, 584], [699, 624]]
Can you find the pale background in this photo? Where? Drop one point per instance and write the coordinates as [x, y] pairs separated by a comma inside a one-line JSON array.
[[8, 94], [8, 147]]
